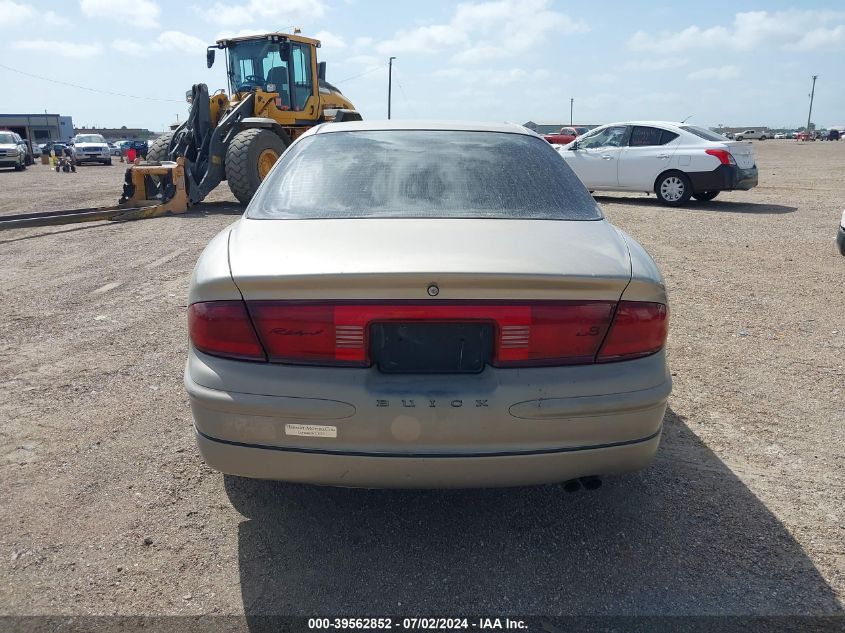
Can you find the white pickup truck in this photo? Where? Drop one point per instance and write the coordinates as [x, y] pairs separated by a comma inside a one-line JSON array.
[[750, 134]]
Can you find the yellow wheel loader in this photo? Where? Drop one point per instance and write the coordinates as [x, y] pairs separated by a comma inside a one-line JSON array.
[[277, 91]]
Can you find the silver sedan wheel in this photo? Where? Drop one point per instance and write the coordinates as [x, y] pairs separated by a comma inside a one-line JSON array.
[[672, 189]]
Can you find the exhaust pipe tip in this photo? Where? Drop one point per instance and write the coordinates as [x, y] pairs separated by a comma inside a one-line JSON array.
[[573, 485], [593, 482]]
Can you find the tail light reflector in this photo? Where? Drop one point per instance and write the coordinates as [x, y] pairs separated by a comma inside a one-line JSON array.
[[546, 333], [527, 335], [223, 328], [555, 334], [639, 329], [724, 156]]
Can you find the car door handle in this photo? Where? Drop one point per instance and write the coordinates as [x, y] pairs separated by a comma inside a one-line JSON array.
[[606, 157], [663, 156]]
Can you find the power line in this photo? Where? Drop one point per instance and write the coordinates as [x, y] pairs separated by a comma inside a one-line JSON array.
[[105, 92], [405, 97]]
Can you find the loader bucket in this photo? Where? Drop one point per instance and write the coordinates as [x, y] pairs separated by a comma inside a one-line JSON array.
[[154, 188]]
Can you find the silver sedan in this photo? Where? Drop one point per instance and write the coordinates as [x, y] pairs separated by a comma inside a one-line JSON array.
[[425, 305]]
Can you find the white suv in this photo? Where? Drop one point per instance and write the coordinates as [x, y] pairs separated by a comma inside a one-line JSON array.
[[13, 151], [91, 148], [761, 135], [676, 161]]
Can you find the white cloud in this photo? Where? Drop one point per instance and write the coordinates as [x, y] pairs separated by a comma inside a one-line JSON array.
[[479, 54], [181, 42], [482, 31], [489, 76], [650, 65], [424, 39], [280, 15], [59, 48], [138, 13], [229, 34], [820, 38], [330, 40], [794, 29], [14, 12], [722, 72], [168, 41]]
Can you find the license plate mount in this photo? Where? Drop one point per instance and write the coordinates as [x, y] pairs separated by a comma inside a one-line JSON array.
[[431, 347]]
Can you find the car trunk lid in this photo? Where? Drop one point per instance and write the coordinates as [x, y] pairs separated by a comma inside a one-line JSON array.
[[429, 259], [743, 153]]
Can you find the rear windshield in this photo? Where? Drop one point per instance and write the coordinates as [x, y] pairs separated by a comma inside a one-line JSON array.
[[423, 174], [703, 133]]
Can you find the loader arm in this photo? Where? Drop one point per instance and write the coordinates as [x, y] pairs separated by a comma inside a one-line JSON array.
[[203, 141]]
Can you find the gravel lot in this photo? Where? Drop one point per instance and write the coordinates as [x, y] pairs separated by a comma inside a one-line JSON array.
[[107, 508]]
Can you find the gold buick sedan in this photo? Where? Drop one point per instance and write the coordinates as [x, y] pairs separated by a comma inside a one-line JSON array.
[[425, 305]]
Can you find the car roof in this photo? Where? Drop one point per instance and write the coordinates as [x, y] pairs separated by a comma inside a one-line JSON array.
[[675, 124], [434, 125]]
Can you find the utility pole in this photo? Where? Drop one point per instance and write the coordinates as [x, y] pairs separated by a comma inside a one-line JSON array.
[[812, 94], [389, 83], [571, 106]]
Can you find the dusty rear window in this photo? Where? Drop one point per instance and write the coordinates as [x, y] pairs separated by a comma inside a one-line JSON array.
[[423, 174]]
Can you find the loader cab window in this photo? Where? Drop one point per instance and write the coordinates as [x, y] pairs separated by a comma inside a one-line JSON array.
[[303, 86], [257, 64], [276, 71]]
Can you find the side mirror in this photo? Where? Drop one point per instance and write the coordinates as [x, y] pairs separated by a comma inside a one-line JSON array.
[[321, 71], [209, 57], [284, 50], [575, 146]]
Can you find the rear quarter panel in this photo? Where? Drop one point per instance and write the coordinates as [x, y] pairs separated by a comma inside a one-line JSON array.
[[212, 278]]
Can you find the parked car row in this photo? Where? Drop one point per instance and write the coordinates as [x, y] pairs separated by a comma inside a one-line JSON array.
[[18, 153]]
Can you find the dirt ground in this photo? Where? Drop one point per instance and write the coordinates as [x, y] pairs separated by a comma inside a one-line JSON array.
[[106, 507]]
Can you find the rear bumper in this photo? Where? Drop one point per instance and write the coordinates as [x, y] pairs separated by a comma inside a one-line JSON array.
[[420, 471], [498, 428], [724, 178]]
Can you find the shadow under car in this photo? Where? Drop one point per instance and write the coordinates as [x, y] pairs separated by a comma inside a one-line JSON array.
[[683, 537]]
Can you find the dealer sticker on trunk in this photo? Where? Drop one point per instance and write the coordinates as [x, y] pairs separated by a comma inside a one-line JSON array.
[[310, 430]]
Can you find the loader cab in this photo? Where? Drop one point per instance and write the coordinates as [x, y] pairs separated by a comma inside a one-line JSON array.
[[275, 63]]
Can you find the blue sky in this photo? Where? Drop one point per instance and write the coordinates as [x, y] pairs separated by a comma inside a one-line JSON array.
[[737, 63]]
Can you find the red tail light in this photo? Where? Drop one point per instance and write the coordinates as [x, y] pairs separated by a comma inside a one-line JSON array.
[[527, 335], [549, 333], [555, 334], [223, 328], [724, 156], [639, 329]]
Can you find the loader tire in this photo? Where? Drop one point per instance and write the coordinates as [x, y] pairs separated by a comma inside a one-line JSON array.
[[249, 158], [158, 150]]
